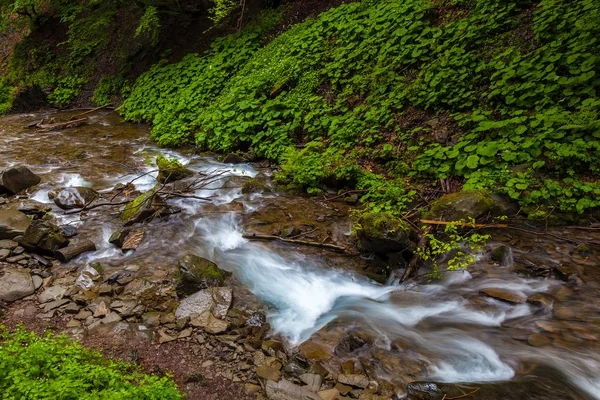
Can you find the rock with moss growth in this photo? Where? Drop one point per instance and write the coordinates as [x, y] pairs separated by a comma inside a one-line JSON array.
[[145, 207], [381, 233], [461, 206], [254, 186], [171, 170], [44, 236], [197, 273]]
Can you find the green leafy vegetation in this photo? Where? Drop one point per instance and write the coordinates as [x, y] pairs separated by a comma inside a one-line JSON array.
[[54, 367], [386, 96]]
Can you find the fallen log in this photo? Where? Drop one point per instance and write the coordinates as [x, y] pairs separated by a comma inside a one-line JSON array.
[[73, 250], [92, 110], [91, 207], [254, 236], [61, 125]]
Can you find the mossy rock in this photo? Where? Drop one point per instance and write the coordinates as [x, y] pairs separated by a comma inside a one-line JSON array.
[[461, 206], [44, 237], [255, 186], [171, 170], [142, 208], [382, 233], [197, 273]]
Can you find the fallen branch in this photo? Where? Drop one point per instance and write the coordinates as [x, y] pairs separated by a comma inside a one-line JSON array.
[[300, 242], [344, 194], [423, 241], [464, 395], [92, 110], [117, 203], [467, 224], [60, 125]]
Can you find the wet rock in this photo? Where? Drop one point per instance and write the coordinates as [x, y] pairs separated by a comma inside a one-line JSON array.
[[118, 237], [30, 207], [504, 295], [355, 380], [533, 388], [461, 206], [254, 186], [381, 233], [329, 394], [566, 272], [13, 223], [142, 208], [232, 158], [8, 244], [29, 98], [133, 240], [502, 255], [15, 284], [315, 351], [313, 381], [75, 197], [52, 293], [286, 390], [44, 236], [14, 180], [538, 340], [268, 373], [217, 300], [350, 343], [541, 300], [197, 273], [171, 170]]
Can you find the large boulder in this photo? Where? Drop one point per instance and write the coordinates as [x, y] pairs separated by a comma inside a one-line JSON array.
[[14, 180], [75, 197], [197, 273], [13, 223], [382, 233], [461, 206], [30, 207], [171, 170], [15, 284], [44, 236], [29, 98], [144, 207]]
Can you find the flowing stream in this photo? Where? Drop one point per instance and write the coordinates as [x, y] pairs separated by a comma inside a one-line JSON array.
[[447, 330]]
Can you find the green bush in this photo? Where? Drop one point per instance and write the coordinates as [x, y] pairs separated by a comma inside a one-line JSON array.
[[54, 367]]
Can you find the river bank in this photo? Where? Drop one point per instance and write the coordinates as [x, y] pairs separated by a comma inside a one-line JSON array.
[[287, 320]]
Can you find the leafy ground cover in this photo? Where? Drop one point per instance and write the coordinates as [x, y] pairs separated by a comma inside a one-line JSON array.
[[390, 97], [54, 367]]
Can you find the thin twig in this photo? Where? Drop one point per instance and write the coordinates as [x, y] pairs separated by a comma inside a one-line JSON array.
[[345, 193], [300, 242], [464, 395], [118, 203], [92, 110]]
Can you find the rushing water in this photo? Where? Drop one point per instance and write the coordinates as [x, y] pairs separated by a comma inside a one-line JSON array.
[[446, 326]]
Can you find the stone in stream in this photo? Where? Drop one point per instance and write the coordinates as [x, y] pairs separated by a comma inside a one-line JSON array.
[[349, 343], [133, 240], [14, 180], [233, 158], [382, 233], [13, 223], [144, 207], [502, 255], [504, 295], [286, 390], [15, 284], [44, 236], [118, 237], [75, 197], [171, 170], [197, 273], [541, 300], [461, 206], [30, 207]]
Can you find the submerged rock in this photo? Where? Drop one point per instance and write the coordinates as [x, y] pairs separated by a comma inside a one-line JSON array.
[[13, 223], [118, 237], [233, 158], [15, 284], [197, 273], [14, 180], [171, 170], [461, 206], [382, 233], [504, 295], [75, 197], [44, 236], [254, 186]]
